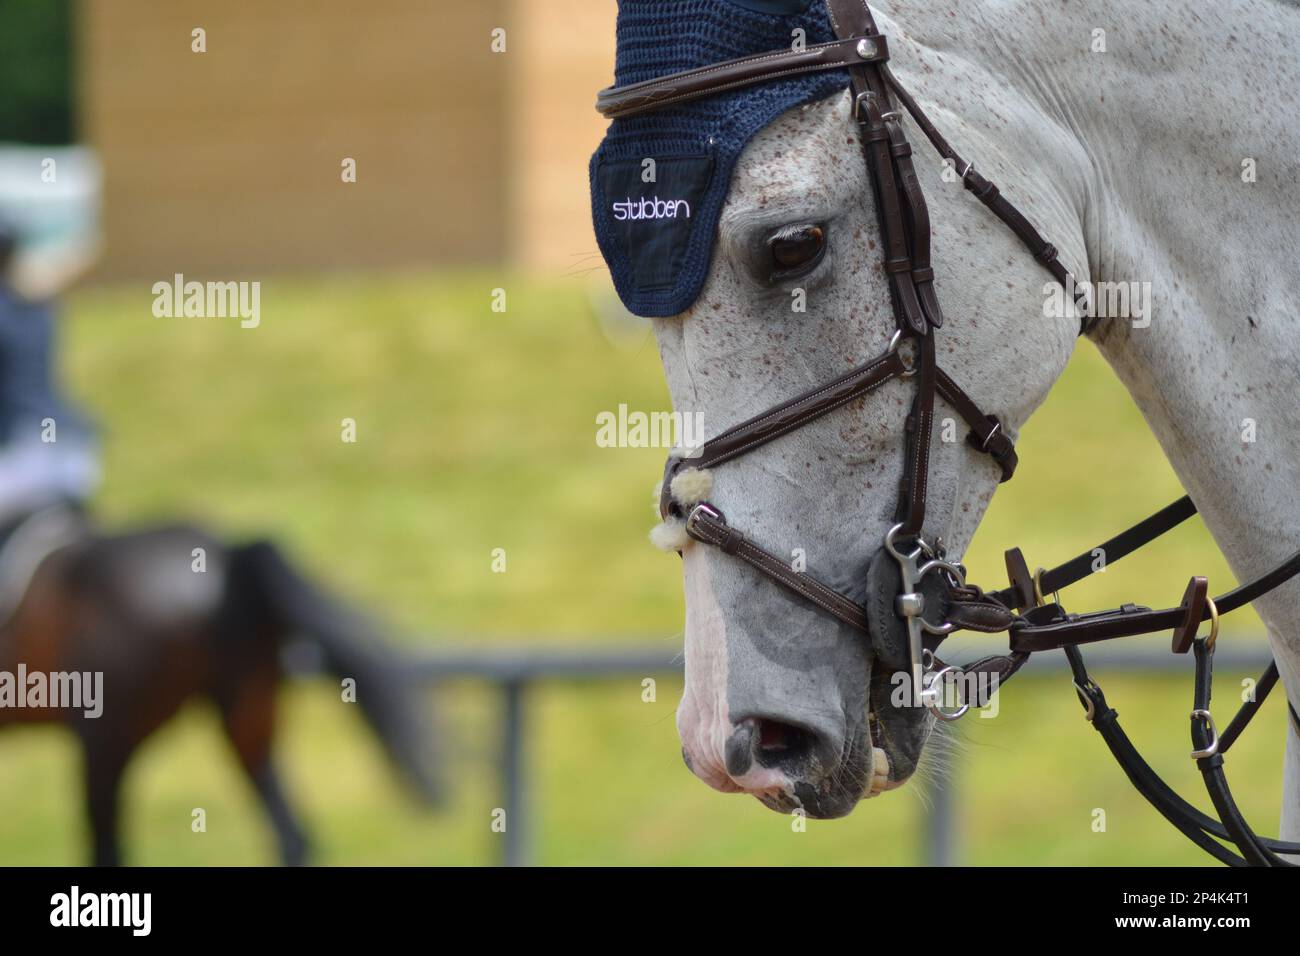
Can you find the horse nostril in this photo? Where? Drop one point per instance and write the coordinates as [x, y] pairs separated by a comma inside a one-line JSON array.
[[770, 744], [783, 746]]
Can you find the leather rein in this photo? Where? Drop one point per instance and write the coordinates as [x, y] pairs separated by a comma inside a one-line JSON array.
[[916, 596]]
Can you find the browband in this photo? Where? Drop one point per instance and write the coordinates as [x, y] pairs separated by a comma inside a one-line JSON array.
[[620, 102]]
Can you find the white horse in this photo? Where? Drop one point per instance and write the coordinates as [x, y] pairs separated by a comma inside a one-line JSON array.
[[1153, 143]]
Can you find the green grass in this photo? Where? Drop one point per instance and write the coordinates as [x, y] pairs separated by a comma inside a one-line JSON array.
[[476, 432]]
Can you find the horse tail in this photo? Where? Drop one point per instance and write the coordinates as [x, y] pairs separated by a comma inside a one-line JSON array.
[[350, 644]]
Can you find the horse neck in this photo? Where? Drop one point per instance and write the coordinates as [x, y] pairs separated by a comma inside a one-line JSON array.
[[1214, 373], [1147, 158]]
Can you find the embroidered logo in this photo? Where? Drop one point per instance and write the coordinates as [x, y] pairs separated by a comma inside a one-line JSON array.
[[654, 208]]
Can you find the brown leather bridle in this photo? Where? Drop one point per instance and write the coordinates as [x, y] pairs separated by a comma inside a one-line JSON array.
[[910, 579]]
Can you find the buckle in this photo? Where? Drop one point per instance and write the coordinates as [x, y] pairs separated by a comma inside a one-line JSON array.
[[1212, 747], [859, 112], [1085, 697], [909, 370], [692, 520]]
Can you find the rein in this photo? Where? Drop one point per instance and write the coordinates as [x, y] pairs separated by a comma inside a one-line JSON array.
[[910, 579]]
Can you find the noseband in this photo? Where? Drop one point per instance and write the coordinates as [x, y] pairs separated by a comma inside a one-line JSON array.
[[915, 596]]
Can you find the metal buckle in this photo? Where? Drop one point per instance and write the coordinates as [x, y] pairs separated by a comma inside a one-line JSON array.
[[857, 104], [1084, 696], [984, 445], [894, 342], [692, 518], [1214, 625], [1213, 747]]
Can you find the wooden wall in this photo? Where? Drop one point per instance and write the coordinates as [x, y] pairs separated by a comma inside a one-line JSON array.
[[229, 160], [563, 54]]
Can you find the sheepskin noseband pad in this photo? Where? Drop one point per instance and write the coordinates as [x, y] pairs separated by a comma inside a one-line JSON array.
[[690, 486], [686, 488], [659, 181], [670, 535]]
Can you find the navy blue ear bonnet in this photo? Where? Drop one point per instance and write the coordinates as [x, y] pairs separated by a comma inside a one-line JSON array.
[[659, 181]]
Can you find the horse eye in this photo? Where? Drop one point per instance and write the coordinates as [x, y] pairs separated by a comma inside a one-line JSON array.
[[796, 250]]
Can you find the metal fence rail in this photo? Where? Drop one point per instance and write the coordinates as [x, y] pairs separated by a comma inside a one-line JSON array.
[[513, 668]]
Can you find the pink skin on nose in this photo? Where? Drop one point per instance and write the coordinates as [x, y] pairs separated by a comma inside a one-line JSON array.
[[763, 781], [703, 723], [703, 719], [703, 738]]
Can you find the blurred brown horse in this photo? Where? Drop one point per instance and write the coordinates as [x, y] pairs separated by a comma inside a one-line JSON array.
[[164, 621]]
